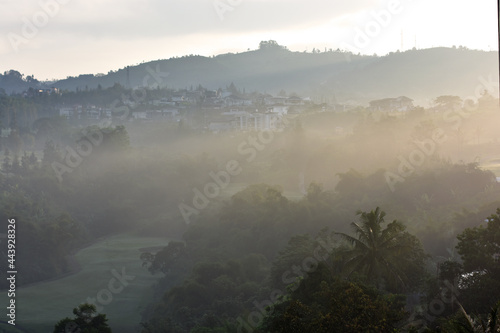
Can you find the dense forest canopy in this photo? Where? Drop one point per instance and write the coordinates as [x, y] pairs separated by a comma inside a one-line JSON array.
[[217, 205]]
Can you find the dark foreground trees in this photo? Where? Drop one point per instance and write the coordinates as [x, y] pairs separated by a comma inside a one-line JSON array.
[[226, 295], [389, 258], [467, 323], [325, 303], [479, 248], [470, 288], [86, 320]]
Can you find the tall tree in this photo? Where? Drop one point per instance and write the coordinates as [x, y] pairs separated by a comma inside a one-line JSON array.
[[390, 258], [325, 303], [479, 248], [448, 101], [86, 320]]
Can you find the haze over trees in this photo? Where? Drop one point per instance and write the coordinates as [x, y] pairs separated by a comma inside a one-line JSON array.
[[337, 216]]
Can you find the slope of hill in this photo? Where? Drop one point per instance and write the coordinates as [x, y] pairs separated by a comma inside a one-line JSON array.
[[328, 76], [262, 70], [423, 74], [14, 82]]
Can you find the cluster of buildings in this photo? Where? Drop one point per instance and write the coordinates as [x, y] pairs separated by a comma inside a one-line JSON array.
[[270, 119], [80, 112], [221, 110], [218, 110]]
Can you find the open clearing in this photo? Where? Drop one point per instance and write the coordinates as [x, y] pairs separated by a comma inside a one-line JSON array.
[[41, 306]]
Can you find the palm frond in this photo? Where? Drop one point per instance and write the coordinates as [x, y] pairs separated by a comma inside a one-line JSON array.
[[470, 321], [493, 322], [353, 241]]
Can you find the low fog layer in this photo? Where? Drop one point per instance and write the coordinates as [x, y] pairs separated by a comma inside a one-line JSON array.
[[194, 209]]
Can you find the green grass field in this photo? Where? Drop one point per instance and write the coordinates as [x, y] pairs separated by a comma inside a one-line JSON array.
[[40, 306]]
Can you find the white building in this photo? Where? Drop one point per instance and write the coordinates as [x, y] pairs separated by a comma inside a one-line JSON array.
[[278, 109], [66, 112]]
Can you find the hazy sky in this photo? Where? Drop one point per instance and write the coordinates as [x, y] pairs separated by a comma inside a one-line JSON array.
[[59, 38]]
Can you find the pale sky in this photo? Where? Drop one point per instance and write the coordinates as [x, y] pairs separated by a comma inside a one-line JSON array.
[[53, 39]]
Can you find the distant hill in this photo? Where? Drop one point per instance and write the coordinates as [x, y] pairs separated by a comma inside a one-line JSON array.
[[422, 74], [332, 76], [14, 82]]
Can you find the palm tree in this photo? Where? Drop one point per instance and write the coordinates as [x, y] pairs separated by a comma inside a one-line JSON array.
[[388, 258], [475, 324]]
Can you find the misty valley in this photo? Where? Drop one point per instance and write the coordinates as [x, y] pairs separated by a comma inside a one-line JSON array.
[[237, 193]]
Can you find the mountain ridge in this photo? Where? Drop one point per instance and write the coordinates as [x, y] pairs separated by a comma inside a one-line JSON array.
[[332, 76]]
